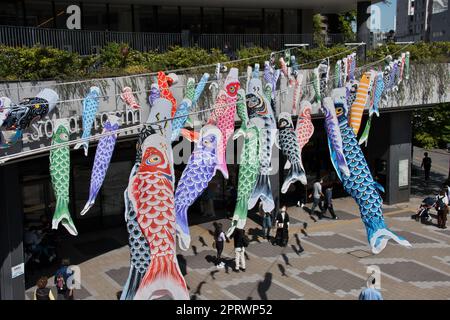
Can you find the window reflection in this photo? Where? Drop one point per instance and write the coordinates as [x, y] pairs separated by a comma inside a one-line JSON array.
[[120, 18], [191, 19], [272, 20], [168, 19], [243, 20], [61, 13], [11, 13], [39, 14], [212, 20], [94, 16], [145, 19]]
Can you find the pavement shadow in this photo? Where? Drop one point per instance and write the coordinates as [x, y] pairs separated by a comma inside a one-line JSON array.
[[263, 286], [78, 249], [422, 188], [254, 234], [282, 270], [182, 263], [198, 291]]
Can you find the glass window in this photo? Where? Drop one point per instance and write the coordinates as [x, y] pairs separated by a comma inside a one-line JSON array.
[[191, 19], [290, 21], [212, 20], [11, 13], [61, 13], [39, 14], [144, 19], [272, 21], [115, 183], [120, 18], [168, 19], [94, 16], [243, 20]]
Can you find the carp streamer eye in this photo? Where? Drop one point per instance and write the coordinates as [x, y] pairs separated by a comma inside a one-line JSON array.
[[339, 111], [153, 160]]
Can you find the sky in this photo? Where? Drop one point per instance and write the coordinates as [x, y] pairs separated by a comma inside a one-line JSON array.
[[388, 11]]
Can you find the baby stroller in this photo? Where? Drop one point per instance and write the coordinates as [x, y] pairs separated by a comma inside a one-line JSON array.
[[424, 210]]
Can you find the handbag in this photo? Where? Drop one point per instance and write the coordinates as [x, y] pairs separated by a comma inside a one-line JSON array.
[[214, 245]]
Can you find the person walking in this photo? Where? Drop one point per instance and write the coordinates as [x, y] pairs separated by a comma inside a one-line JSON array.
[[240, 243], [329, 202], [282, 223], [370, 292], [426, 165], [442, 209], [317, 195], [62, 276], [267, 221], [42, 292], [219, 240], [301, 203]]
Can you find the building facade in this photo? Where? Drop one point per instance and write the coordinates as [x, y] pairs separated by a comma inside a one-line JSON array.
[[423, 20], [172, 16]]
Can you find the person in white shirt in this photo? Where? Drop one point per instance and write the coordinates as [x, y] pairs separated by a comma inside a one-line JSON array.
[[442, 209], [317, 195]]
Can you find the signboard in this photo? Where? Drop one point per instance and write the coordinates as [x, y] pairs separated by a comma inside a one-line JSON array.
[[17, 270], [403, 173]]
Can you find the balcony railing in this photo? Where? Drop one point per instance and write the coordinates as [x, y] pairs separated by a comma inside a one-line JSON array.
[[87, 42]]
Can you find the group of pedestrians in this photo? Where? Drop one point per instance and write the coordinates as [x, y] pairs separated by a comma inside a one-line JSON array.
[[240, 240], [321, 200], [440, 203], [62, 281]]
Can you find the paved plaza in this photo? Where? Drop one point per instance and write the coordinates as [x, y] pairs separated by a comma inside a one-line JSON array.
[[327, 260]]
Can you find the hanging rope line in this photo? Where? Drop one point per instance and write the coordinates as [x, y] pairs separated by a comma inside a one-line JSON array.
[[191, 68], [124, 130], [110, 133], [61, 102]]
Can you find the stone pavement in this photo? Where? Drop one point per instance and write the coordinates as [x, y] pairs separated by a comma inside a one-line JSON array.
[[328, 260]]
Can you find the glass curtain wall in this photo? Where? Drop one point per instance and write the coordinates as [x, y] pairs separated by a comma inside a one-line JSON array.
[[11, 13], [94, 16], [120, 18], [145, 18], [39, 14]]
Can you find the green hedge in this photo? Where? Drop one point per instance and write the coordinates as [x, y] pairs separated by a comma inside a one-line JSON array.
[[44, 63]]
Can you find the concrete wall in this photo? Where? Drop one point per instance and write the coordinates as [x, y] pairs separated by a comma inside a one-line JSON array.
[[11, 234]]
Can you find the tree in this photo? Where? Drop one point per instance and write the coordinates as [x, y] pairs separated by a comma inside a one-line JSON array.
[[319, 33], [345, 25], [431, 127]]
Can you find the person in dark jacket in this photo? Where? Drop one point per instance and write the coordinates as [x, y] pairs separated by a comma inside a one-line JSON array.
[[328, 205], [442, 209], [240, 242], [267, 221], [219, 239], [42, 292], [282, 224], [426, 165]]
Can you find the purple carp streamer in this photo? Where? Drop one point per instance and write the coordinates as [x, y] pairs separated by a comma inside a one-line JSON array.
[[102, 159]]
